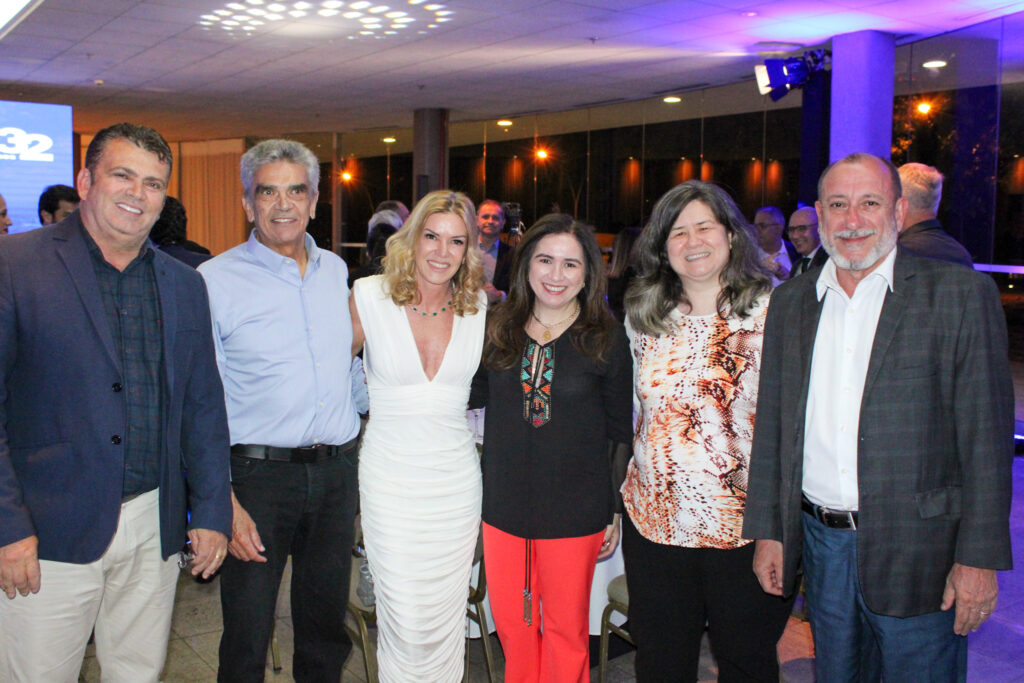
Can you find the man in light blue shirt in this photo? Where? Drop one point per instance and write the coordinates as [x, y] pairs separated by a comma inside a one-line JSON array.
[[283, 336]]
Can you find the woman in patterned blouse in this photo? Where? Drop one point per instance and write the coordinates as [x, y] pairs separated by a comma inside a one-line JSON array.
[[555, 379], [695, 318]]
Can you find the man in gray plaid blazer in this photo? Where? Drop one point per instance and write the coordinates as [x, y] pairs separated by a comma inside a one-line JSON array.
[[883, 442]]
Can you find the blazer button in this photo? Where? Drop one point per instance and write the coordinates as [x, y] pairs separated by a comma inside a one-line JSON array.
[[115, 439], [116, 386]]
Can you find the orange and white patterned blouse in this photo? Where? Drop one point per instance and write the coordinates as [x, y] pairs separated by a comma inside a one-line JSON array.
[[696, 389]]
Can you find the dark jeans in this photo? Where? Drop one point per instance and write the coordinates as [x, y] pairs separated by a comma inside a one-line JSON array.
[[851, 642], [306, 511], [674, 592]]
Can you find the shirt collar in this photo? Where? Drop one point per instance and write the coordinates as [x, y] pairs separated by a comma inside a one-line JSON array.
[[275, 261], [828, 280], [493, 248], [146, 251]]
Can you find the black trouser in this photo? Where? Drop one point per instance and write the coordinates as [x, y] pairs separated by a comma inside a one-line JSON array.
[[674, 592], [307, 511]]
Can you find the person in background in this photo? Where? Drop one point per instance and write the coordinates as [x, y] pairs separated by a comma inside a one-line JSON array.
[[884, 443], [921, 233], [5, 220], [621, 269], [170, 233], [56, 203], [803, 233], [555, 381], [381, 226], [394, 205], [109, 400], [769, 224], [695, 317], [282, 331], [497, 255]]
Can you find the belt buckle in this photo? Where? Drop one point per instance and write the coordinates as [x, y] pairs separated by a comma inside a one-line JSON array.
[[306, 455]]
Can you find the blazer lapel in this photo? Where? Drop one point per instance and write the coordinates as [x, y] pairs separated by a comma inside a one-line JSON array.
[[165, 285], [71, 249], [888, 320]]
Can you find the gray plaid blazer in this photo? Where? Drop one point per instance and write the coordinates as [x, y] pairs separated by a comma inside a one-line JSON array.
[[935, 435]]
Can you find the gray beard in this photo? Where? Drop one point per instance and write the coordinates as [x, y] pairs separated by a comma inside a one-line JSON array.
[[882, 247]]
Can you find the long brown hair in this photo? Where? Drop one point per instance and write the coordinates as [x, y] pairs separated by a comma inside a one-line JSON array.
[[506, 322]]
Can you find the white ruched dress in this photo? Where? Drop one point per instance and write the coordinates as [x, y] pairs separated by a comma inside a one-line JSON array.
[[419, 488]]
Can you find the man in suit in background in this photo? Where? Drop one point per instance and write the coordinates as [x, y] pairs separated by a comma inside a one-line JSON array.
[[769, 224], [497, 255], [56, 203], [803, 233], [883, 443], [110, 394], [922, 234]]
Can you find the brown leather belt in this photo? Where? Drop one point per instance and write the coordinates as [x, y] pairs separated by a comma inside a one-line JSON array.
[[301, 454], [833, 519]]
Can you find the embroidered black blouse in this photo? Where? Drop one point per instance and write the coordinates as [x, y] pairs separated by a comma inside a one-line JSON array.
[[547, 430]]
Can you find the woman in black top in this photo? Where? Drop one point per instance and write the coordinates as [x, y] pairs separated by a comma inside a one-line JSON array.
[[556, 379]]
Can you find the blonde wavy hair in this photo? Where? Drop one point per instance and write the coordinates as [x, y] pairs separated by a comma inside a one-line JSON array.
[[400, 261]]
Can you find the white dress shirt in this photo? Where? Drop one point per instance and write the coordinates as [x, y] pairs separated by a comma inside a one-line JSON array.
[[839, 365], [283, 345]]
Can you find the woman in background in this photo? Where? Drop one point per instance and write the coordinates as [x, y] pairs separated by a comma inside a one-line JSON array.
[[621, 269], [555, 379], [696, 313], [419, 473]]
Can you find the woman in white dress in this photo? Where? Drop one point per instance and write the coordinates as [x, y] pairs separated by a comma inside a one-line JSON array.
[[422, 321]]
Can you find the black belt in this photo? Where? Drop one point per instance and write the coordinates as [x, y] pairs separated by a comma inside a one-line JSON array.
[[834, 519], [302, 454]]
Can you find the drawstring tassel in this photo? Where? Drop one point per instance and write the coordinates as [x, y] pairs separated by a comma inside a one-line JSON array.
[[527, 595]]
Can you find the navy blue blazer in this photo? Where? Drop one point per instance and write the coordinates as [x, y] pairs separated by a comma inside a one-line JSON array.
[[62, 408]]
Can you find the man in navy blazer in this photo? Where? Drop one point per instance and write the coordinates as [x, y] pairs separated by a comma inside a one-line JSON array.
[[112, 423], [884, 441]]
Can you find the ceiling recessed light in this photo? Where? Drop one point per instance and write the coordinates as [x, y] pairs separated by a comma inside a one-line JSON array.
[[388, 139], [256, 11], [222, 12], [445, 13], [332, 4], [378, 9], [395, 14], [672, 99], [210, 17], [404, 20], [254, 2], [362, 4], [934, 64], [277, 7], [505, 123], [352, 15], [303, 5], [235, 5], [444, 18], [433, 7]]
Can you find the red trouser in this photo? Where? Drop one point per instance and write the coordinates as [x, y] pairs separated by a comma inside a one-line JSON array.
[[561, 571]]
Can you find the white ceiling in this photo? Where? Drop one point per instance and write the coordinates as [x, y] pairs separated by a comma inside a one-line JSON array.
[[160, 67]]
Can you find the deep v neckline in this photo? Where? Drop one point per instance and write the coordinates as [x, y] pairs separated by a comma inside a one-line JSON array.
[[416, 347]]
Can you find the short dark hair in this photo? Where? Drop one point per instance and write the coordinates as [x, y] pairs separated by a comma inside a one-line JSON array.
[[50, 199], [172, 225], [492, 201], [141, 136]]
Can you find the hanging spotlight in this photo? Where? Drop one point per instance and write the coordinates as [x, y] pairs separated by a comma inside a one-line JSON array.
[[778, 76]]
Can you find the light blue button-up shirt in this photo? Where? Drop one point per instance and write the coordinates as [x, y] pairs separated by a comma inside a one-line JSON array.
[[283, 345]]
